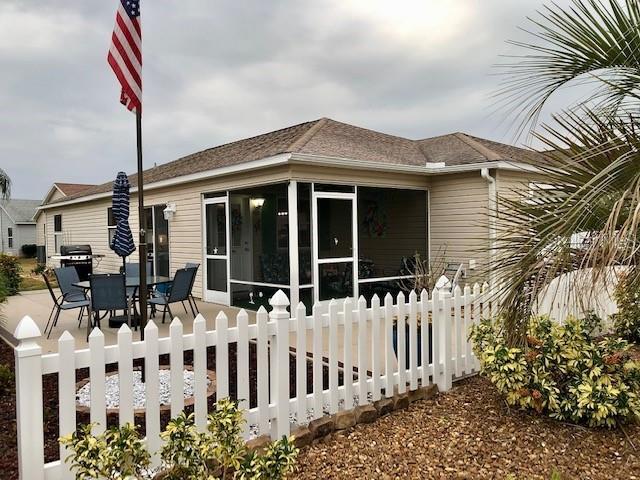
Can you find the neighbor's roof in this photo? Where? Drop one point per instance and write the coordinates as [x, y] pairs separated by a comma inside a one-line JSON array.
[[329, 138], [20, 211]]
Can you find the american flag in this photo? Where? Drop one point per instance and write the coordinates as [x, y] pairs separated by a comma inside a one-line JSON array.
[[125, 53]]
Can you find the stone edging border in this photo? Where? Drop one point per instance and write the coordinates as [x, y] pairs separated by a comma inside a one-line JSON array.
[[211, 389], [345, 419]]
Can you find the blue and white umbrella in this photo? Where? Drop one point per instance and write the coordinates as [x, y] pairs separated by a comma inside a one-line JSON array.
[[122, 242]]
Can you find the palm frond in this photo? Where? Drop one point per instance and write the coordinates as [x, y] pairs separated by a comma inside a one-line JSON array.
[[5, 185], [596, 40], [591, 178]]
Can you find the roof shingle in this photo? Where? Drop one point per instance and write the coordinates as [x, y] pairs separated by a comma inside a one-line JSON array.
[[329, 138], [20, 210]]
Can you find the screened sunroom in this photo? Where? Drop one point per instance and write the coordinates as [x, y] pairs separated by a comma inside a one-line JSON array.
[[315, 241]]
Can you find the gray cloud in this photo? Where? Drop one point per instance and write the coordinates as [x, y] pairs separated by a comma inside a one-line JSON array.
[[218, 71]]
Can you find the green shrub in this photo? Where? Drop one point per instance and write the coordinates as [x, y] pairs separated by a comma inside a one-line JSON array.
[[118, 453], [39, 269], [29, 250], [564, 372], [626, 322], [10, 268], [4, 287], [7, 379], [187, 453], [220, 451]]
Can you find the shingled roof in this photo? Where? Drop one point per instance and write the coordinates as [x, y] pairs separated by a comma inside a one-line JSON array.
[[329, 138], [70, 189], [20, 210]]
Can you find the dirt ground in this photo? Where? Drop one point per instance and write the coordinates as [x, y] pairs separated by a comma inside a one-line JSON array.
[[470, 433]]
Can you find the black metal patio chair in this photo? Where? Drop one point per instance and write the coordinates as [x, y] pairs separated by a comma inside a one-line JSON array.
[[131, 270], [59, 304], [192, 300], [108, 294], [178, 293], [67, 277]]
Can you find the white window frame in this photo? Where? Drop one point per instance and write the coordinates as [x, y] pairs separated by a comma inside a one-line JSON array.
[[10, 237], [110, 228], [57, 234]]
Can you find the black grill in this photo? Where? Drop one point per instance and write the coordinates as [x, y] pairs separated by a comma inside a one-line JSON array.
[[78, 256]]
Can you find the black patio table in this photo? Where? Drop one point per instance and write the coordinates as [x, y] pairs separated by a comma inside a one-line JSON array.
[[132, 281]]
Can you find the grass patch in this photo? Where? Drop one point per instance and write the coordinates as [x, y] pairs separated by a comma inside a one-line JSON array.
[[30, 281]]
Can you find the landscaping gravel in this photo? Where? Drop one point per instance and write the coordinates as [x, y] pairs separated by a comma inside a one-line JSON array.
[[112, 389], [470, 433]]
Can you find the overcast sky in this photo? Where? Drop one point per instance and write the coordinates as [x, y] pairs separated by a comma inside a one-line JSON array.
[[217, 71]]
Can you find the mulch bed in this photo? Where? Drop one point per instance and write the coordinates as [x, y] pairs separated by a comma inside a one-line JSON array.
[[470, 433], [9, 456]]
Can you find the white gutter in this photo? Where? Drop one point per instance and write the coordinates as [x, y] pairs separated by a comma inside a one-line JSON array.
[[493, 204]]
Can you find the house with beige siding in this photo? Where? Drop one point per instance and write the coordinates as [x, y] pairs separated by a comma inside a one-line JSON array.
[[321, 210]]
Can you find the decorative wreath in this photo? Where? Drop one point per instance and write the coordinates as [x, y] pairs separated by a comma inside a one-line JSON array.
[[375, 221]]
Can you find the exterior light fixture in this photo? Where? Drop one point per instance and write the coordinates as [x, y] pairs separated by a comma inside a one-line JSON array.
[[169, 211]]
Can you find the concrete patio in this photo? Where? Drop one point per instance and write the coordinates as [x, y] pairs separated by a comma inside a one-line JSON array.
[[38, 304]]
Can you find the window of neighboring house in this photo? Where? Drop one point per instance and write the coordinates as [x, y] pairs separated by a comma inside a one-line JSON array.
[[57, 232], [111, 224], [10, 237]]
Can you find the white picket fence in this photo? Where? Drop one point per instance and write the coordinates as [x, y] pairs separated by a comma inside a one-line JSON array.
[[379, 373]]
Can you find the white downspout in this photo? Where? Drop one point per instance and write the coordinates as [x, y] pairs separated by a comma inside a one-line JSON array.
[[493, 203]]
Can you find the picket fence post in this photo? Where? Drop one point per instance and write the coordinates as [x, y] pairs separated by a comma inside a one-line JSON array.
[[280, 369], [28, 356]]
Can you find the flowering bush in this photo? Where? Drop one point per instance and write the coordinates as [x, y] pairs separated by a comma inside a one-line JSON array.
[[187, 453], [563, 372]]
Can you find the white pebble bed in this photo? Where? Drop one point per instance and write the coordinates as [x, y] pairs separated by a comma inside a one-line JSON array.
[[112, 390]]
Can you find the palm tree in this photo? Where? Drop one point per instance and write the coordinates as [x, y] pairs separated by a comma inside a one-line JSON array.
[[5, 185], [589, 185]]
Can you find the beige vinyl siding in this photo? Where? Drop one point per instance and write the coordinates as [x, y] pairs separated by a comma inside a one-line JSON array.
[[56, 195], [458, 213], [40, 224], [511, 183], [375, 178]]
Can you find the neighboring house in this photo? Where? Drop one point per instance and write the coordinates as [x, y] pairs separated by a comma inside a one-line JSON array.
[[321, 210], [17, 225], [57, 192]]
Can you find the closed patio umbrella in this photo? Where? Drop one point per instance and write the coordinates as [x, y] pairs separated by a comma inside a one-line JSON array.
[[122, 242]]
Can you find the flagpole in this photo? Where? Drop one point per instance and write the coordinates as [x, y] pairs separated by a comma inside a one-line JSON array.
[[142, 242]]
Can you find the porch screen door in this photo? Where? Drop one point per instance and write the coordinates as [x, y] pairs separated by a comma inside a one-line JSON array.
[[335, 245], [216, 249]]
